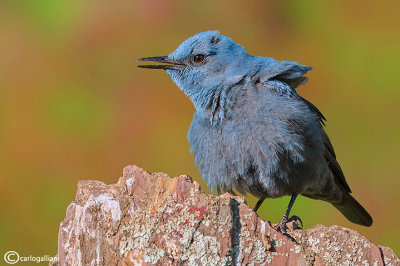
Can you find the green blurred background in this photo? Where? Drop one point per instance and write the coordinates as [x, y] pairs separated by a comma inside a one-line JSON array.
[[73, 104]]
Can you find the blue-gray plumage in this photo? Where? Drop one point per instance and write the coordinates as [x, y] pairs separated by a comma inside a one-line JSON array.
[[251, 131]]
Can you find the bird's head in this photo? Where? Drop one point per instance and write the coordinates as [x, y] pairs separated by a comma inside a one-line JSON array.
[[201, 64]]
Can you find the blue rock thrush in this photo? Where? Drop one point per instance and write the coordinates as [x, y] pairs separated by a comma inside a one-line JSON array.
[[251, 131]]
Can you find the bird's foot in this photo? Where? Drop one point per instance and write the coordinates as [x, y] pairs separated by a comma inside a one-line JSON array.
[[288, 224], [297, 222], [281, 226]]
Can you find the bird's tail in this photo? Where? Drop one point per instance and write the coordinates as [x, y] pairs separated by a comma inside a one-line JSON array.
[[353, 210]]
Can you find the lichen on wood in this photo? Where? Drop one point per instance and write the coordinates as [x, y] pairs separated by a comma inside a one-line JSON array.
[[150, 218]]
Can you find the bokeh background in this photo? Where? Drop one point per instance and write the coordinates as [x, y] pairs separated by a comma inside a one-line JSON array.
[[73, 104]]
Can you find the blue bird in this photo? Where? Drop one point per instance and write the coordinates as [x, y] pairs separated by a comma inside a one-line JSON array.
[[251, 131]]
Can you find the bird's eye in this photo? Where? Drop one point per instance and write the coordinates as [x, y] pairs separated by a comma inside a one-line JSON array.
[[198, 58]]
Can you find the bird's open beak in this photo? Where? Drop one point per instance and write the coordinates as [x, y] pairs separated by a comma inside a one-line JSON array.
[[169, 64]]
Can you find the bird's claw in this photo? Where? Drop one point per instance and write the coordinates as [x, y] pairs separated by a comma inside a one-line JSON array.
[[282, 226], [296, 218]]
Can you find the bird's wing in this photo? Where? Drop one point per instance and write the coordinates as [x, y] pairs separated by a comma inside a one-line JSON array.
[[315, 110], [344, 202], [329, 152], [334, 165]]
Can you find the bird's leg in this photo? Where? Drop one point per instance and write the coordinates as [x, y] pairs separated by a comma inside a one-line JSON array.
[[281, 226], [258, 204], [232, 192]]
